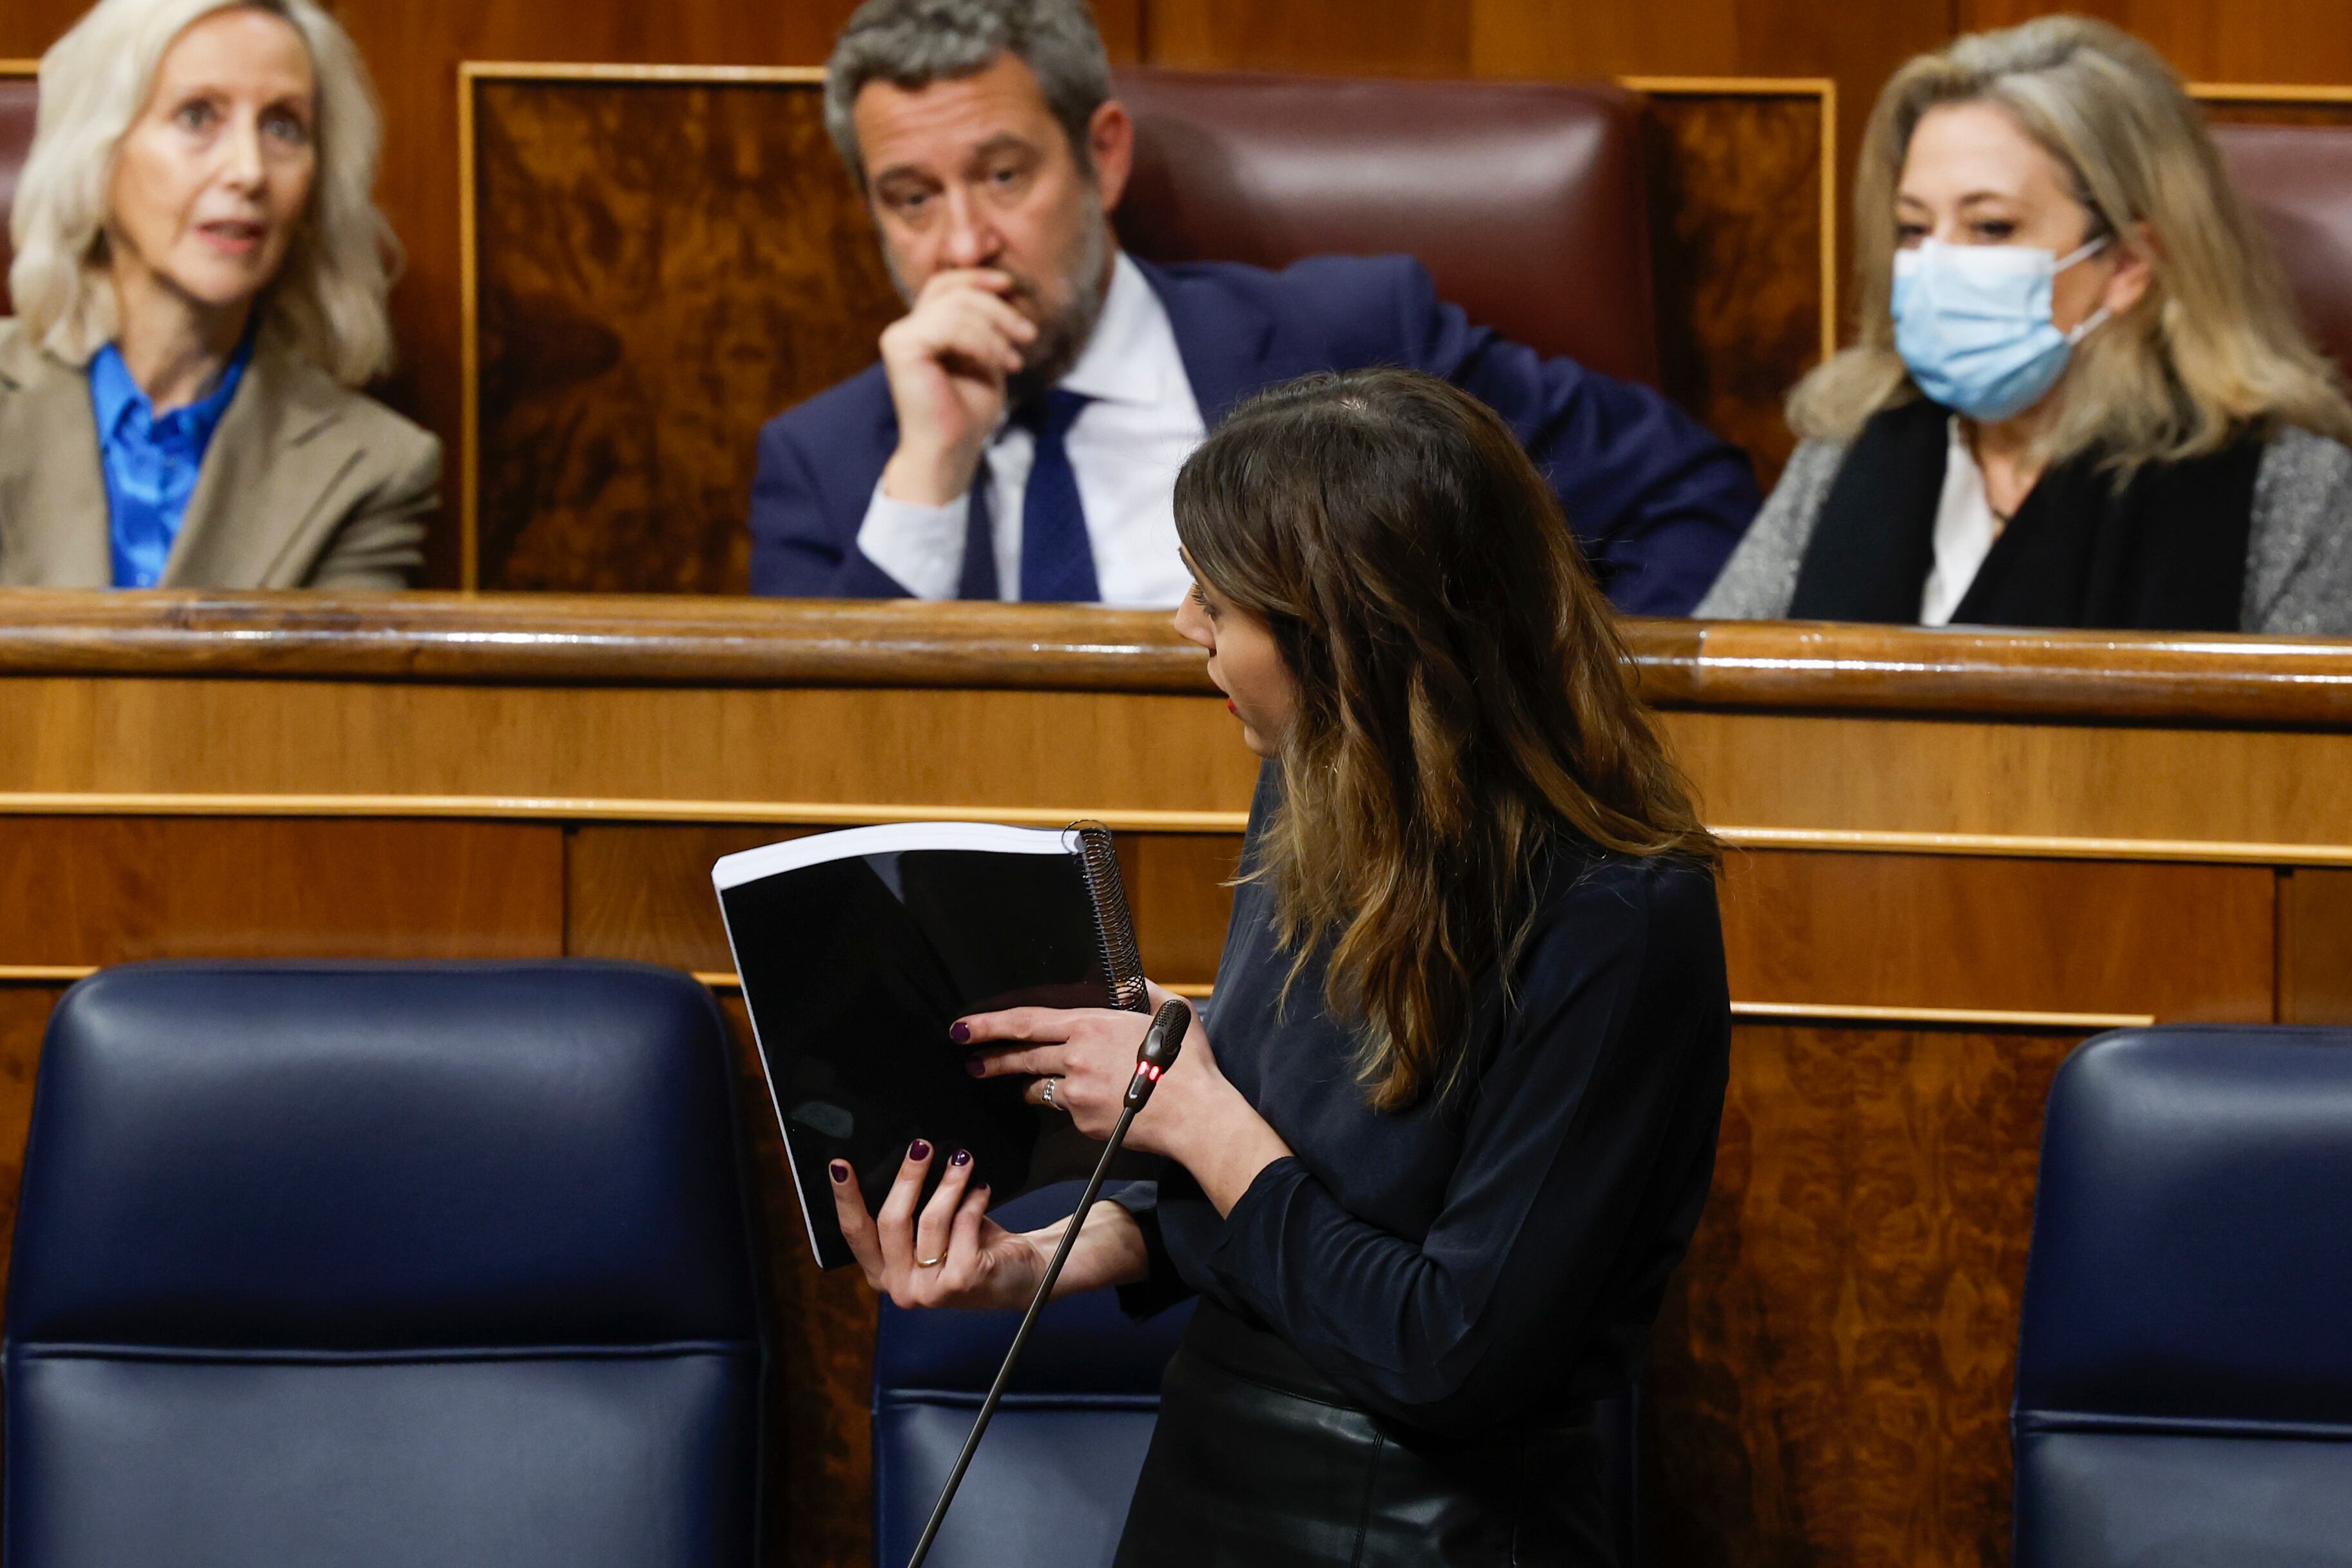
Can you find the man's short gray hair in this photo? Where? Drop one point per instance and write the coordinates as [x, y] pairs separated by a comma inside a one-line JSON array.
[[913, 43]]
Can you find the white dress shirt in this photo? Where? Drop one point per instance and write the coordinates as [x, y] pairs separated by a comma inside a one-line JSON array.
[[1965, 530], [1125, 448]]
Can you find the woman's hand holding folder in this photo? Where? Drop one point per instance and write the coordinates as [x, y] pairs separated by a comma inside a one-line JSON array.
[[951, 1254]]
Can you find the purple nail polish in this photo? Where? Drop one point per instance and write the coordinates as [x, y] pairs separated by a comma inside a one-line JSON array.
[[839, 1170], [960, 1158], [959, 1032], [976, 1067], [919, 1150]]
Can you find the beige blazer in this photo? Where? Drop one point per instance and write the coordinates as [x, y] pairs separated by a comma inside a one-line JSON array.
[[307, 484]]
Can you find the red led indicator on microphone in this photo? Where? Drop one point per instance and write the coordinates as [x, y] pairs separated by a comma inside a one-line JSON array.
[[1152, 1071]]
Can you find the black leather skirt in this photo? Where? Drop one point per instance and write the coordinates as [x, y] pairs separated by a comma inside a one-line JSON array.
[[1257, 1459]]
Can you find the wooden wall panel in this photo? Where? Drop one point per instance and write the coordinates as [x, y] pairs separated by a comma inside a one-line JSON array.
[[2210, 40], [99, 890], [1176, 887], [23, 1015], [1830, 1379], [1736, 201], [663, 266], [2012, 935], [2314, 939], [643, 893], [1339, 37], [1814, 774], [1858, 46], [1064, 754]]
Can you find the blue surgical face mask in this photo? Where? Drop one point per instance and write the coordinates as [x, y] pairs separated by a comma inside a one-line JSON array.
[[1972, 323]]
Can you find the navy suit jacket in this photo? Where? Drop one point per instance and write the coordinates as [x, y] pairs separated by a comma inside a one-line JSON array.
[[1657, 501]]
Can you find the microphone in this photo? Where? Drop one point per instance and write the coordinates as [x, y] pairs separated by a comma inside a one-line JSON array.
[[1160, 1044]]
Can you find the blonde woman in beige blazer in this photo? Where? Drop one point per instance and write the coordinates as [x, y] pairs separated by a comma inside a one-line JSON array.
[[199, 233]]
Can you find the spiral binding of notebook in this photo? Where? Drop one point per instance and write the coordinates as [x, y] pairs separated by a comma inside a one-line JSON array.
[[1122, 962]]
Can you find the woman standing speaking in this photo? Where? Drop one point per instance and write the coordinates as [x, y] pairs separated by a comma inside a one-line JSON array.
[[1471, 1024]]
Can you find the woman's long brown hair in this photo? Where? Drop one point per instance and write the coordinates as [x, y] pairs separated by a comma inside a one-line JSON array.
[[1464, 700]]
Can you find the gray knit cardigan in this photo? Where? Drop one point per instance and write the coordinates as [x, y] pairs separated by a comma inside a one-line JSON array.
[[2298, 554]]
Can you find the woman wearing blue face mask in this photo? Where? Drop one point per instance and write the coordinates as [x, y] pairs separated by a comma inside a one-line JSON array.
[[2080, 397]]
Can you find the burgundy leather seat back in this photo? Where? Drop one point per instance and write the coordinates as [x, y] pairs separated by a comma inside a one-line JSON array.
[[2298, 180], [17, 95], [1526, 202]]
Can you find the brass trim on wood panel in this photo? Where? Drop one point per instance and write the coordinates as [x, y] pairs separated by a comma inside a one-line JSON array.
[[1825, 90], [2266, 93], [782, 813], [2027, 846], [44, 974], [20, 67], [691, 76], [469, 351], [1938, 1018]]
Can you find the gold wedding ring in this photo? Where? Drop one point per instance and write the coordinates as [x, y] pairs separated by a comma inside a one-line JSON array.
[[931, 1263]]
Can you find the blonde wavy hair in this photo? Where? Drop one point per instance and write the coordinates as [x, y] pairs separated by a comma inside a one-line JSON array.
[[327, 303], [2213, 348]]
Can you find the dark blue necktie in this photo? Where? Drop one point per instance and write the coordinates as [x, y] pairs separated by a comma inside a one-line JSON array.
[[1057, 564]]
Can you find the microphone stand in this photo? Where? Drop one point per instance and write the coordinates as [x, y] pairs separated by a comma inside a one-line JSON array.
[[1160, 1044]]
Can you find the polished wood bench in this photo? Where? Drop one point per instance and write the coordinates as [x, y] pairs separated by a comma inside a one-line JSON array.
[[1957, 855]]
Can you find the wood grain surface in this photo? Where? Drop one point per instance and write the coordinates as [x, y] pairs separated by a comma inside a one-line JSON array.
[[2208, 40], [2314, 969], [1736, 196], [2180, 941], [1830, 1379], [628, 641], [23, 1015], [662, 268], [106, 890]]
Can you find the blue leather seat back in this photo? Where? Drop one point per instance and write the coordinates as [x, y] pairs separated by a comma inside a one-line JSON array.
[[384, 1264], [2184, 1391], [1050, 1485]]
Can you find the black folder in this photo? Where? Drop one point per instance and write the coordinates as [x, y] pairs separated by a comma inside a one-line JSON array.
[[857, 949]]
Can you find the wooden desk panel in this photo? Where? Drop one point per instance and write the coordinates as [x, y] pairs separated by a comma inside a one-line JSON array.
[[105, 890], [2001, 935], [1995, 841], [1830, 1377]]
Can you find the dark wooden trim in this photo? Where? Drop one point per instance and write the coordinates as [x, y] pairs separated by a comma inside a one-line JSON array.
[[644, 640]]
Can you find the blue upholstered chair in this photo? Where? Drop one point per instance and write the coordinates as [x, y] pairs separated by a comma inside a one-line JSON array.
[[383, 1265], [1050, 1485], [2184, 1385]]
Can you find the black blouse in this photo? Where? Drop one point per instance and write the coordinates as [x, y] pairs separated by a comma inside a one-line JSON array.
[[1461, 1263]]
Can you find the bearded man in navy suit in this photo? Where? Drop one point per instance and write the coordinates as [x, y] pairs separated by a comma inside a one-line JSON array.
[[1021, 436]]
